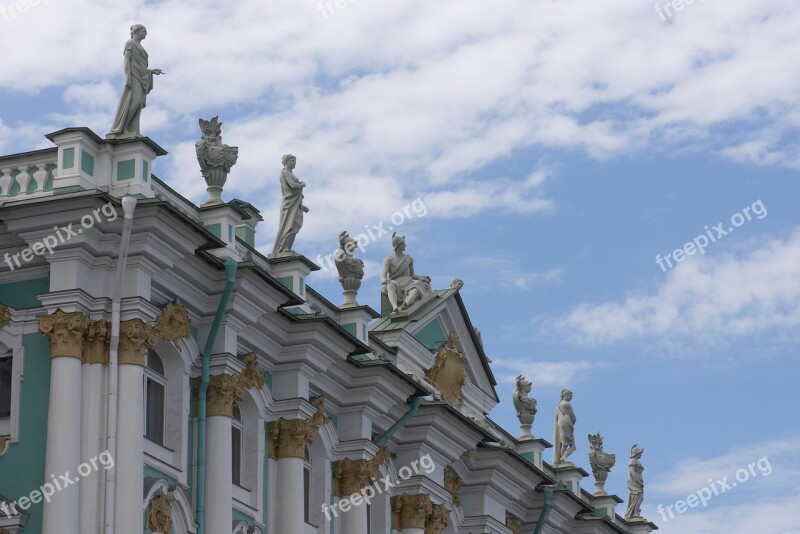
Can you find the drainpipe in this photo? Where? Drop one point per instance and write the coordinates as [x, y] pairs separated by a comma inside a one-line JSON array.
[[230, 270], [416, 400], [548, 497], [128, 207]]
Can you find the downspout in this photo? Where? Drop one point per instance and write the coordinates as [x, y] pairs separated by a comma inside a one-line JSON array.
[[128, 207], [416, 400], [230, 270], [548, 497]]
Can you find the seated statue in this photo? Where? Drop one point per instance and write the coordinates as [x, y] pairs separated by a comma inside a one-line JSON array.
[[399, 283]]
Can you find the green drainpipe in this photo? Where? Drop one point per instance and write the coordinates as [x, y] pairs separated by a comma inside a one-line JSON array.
[[416, 400], [548, 496], [230, 270]]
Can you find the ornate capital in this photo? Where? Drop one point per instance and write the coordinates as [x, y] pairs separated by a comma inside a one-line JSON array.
[[452, 483], [172, 323], [65, 332], [96, 342], [134, 340], [449, 371], [410, 511], [351, 476], [288, 438], [5, 315], [251, 376], [159, 515], [514, 524], [437, 520], [223, 391]]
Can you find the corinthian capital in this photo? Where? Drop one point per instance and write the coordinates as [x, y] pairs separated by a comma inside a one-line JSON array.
[[5, 315], [437, 520], [410, 511], [514, 524], [223, 391], [65, 332], [96, 342], [134, 340], [288, 438], [351, 476]]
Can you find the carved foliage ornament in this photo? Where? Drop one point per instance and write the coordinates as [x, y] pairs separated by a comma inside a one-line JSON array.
[[288, 438], [172, 323], [449, 371], [65, 332], [5, 315], [96, 343], [223, 391], [351, 476], [514, 524], [159, 515], [437, 520], [452, 483], [410, 511], [136, 337]]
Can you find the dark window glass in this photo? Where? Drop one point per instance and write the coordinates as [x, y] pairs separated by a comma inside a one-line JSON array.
[[154, 422], [5, 387]]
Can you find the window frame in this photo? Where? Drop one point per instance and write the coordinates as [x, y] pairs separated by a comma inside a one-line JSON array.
[[151, 375]]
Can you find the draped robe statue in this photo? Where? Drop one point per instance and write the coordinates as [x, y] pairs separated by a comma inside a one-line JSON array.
[[564, 429], [635, 484], [292, 208], [138, 83]]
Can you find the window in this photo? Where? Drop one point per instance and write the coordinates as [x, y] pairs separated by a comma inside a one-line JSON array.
[[307, 487], [5, 385], [155, 388], [237, 431]]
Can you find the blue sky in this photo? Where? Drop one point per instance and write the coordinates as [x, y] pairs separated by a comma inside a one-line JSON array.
[[558, 147]]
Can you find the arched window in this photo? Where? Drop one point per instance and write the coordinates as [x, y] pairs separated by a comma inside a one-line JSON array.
[[307, 486], [155, 388], [5, 385], [237, 433]]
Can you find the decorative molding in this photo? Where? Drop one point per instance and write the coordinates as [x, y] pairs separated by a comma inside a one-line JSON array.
[[135, 338], [65, 331], [351, 476], [173, 323], [223, 391], [251, 376], [4, 442], [288, 438], [410, 511], [449, 371], [438, 519], [5, 315], [453, 483], [514, 524], [159, 515], [97, 342]]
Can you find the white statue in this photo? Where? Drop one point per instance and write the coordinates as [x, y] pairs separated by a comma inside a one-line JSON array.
[[215, 159], [292, 208], [635, 485], [601, 463], [564, 429], [399, 283], [138, 83], [351, 269], [525, 406]]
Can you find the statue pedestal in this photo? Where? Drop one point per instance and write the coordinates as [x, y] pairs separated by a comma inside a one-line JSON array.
[[222, 220], [606, 506], [570, 475], [639, 525], [291, 270], [532, 450], [355, 319]]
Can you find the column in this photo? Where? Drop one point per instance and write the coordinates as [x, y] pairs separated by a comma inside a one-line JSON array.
[[65, 332], [223, 391], [349, 478], [287, 442], [93, 422], [135, 339], [410, 512]]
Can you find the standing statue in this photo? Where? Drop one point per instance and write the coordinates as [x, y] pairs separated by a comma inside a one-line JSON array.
[[525, 406], [564, 429], [399, 283], [601, 463], [635, 485], [292, 208], [138, 83], [351, 269], [215, 159]]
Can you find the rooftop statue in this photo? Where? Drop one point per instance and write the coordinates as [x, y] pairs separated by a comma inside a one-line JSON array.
[[138, 83], [601, 463], [564, 429], [525, 406], [351, 269], [400, 284], [635, 485], [292, 208], [215, 159]]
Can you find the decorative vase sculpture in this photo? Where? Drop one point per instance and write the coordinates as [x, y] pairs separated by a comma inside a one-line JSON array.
[[525, 406], [351, 269], [601, 463], [215, 158]]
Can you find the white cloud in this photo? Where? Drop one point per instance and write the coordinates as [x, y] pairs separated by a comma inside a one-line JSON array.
[[703, 300], [548, 374]]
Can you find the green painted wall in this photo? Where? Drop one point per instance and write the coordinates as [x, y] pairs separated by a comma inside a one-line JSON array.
[[22, 295], [22, 467]]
